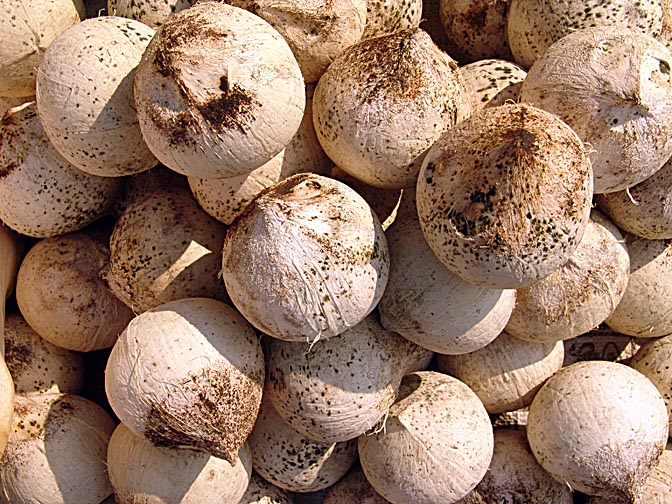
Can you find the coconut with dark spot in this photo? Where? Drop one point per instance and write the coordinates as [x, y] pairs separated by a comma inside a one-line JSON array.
[[153, 13], [383, 102], [492, 82], [188, 374], [218, 92], [384, 17], [307, 259], [504, 196]]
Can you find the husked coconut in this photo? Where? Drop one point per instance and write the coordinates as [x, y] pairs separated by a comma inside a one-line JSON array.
[[579, 295], [504, 196], [383, 102], [533, 25], [84, 92], [56, 451], [62, 297], [353, 487], [341, 387], [317, 31], [491, 82], [142, 472], [27, 28], [41, 193], [507, 373], [306, 259], [188, 374], [384, 17], [428, 304], [625, 118], [436, 444], [218, 92], [289, 460], [153, 13], [260, 491], [599, 427]]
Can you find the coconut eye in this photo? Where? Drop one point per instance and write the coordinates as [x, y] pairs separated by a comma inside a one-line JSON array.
[[664, 67]]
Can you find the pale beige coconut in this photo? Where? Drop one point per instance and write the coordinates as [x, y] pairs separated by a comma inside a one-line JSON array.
[[260, 491], [317, 31], [341, 387], [476, 29], [515, 476], [353, 487], [163, 247], [27, 28], [602, 343], [289, 460], [504, 196], [384, 17], [218, 92], [153, 13], [37, 365], [42, 193], [599, 427], [435, 446], [143, 473], [56, 451], [491, 82], [579, 295], [383, 102], [84, 92], [533, 25], [626, 118], [507, 373], [200, 388], [307, 259], [644, 308], [62, 297], [433, 307]]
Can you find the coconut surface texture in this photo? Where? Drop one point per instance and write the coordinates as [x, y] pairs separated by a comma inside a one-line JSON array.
[[153, 13], [504, 196], [383, 102], [218, 92], [188, 374], [307, 259], [384, 17], [491, 82], [84, 92], [625, 117], [599, 427]]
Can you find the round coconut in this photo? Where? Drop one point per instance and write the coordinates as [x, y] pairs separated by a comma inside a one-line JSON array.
[[599, 427], [433, 307], [626, 119], [534, 25], [507, 373], [153, 13], [43, 194], [199, 388], [62, 297], [84, 92], [384, 17], [579, 295], [306, 259], [218, 92], [435, 446], [383, 102], [492, 82], [27, 28], [260, 491], [341, 387], [142, 472], [504, 196], [353, 487]]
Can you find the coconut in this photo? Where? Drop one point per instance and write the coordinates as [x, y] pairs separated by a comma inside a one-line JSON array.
[[504, 196], [12, 247], [353, 487], [384, 17], [507, 373], [28, 28], [153, 13], [84, 92], [435, 446], [343, 386], [218, 92], [433, 307], [306, 259], [260, 491], [599, 427], [491, 82], [62, 297], [142, 472], [188, 374], [579, 295], [42, 193], [625, 118], [383, 102]]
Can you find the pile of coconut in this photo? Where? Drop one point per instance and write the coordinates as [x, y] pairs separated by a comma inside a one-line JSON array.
[[335, 251]]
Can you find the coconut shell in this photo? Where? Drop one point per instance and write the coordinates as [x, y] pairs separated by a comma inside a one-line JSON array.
[[491, 82], [153, 13]]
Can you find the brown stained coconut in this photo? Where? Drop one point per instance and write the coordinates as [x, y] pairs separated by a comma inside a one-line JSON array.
[[504, 196], [383, 102], [153, 13], [491, 82], [384, 17], [613, 87]]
